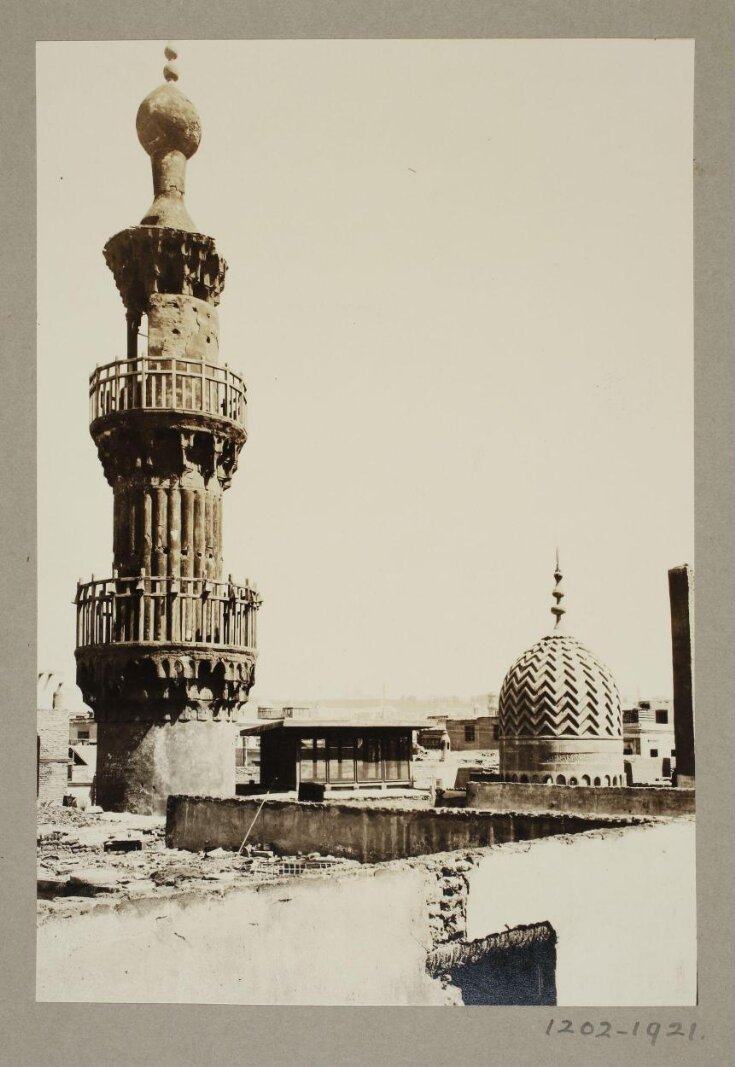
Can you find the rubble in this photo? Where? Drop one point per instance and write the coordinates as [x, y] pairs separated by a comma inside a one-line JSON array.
[[88, 854]]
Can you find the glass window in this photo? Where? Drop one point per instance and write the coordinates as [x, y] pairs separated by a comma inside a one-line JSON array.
[[396, 752], [320, 759], [469, 733], [307, 759], [341, 755], [662, 715], [313, 759], [369, 760], [654, 752]]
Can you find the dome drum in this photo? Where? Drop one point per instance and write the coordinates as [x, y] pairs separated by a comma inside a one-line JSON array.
[[562, 761]]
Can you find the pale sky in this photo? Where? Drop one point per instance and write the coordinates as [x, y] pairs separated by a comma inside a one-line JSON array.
[[460, 291]]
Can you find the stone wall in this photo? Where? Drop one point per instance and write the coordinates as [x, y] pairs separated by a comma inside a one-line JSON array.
[[370, 834], [593, 800]]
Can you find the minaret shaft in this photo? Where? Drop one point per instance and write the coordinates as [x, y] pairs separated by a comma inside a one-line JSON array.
[[162, 529]]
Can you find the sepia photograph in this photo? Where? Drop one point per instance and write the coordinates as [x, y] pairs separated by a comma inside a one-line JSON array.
[[365, 497]]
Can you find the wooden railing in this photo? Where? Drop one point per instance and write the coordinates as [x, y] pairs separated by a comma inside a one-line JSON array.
[[166, 610], [172, 384]]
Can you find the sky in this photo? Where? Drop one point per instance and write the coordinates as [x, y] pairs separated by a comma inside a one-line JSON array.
[[460, 292]]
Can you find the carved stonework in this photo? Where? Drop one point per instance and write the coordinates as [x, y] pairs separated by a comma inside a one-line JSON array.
[[168, 446], [150, 259], [148, 683]]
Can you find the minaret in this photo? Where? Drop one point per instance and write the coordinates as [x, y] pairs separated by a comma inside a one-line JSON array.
[[166, 647]]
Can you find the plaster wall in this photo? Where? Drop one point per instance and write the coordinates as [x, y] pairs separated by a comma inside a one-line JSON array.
[[359, 939], [622, 903]]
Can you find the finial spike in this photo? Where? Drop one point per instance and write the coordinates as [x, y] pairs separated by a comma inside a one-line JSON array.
[[171, 70], [558, 594]]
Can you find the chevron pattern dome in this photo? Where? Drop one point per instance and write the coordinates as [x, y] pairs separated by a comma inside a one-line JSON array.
[[559, 689]]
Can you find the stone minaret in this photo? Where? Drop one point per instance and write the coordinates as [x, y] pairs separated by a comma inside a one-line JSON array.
[[166, 646]]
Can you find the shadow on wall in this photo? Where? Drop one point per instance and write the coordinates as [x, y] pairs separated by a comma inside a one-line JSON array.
[[516, 968]]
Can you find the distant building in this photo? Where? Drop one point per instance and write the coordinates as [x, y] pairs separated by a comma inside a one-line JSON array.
[[52, 739], [649, 744], [478, 733], [82, 729], [81, 772]]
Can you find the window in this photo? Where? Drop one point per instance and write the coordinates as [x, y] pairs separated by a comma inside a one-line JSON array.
[[469, 734], [654, 752], [313, 759], [631, 715], [83, 735], [341, 751], [369, 759], [396, 755], [662, 715]]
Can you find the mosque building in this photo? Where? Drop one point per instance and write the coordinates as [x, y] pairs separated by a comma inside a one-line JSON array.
[[560, 720]]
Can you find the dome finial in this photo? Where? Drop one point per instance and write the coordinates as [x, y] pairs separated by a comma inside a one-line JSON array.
[[171, 70], [558, 594]]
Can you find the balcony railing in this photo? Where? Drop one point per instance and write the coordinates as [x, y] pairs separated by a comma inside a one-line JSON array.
[[171, 384], [166, 610]]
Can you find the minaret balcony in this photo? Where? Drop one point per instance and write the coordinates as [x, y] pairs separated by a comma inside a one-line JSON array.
[[188, 386], [166, 611]]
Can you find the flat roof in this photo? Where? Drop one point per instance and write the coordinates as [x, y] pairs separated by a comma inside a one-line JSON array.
[[340, 724]]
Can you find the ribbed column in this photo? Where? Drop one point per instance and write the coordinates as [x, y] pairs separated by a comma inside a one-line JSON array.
[[209, 527], [160, 530], [147, 530], [199, 534]]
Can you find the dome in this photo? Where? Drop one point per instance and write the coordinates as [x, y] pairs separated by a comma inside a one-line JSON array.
[[167, 121], [558, 688], [559, 713]]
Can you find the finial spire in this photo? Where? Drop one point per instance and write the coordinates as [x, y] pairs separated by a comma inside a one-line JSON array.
[[558, 594], [171, 70]]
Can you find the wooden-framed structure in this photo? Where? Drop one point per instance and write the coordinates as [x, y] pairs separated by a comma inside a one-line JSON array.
[[341, 756]]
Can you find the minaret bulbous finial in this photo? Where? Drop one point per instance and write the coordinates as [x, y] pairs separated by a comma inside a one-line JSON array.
[[169, 130], [558, 594]]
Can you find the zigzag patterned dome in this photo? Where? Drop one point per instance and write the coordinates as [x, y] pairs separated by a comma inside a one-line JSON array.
[[557, 688], [559, 711]]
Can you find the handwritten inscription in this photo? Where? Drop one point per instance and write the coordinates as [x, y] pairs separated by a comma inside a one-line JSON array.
[[651, 1031]]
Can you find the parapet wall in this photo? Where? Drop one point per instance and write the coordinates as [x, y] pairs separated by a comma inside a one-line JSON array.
[[593, 800], [370, 834]]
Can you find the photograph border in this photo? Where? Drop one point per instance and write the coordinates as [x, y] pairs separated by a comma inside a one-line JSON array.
[[178, 1035]]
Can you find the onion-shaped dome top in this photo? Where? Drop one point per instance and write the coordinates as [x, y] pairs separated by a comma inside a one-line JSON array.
[[558, 688], [167, 121]]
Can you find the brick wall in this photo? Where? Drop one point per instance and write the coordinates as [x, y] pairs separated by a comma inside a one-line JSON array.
[[53, 754]]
